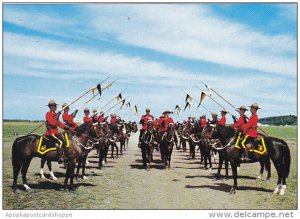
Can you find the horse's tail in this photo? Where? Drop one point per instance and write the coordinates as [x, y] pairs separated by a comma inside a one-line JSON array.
[[286, 161]]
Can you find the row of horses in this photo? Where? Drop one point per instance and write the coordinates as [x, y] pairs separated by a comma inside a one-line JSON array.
[[214, 138], [88, 136]]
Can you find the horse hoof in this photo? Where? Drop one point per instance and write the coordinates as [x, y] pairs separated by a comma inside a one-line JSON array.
[[232, 191], [84, 177], [43, 177], [16, 191], [72, 189], [259, 177], [53, 178]]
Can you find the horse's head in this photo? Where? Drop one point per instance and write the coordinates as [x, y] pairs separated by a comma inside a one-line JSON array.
[[171, 129], [150, 125], [209, 131]]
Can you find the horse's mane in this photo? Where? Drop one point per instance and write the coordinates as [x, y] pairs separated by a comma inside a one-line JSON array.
[[225, 131], [82, 128]]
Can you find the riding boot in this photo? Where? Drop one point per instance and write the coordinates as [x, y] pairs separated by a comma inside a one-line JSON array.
[[60, 155], [246, 155]]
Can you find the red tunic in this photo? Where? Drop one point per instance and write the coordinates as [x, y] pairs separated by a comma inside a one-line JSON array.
[[240, 122], [222, 121], [165, 123], [113, 120], [203, 123], [250, 128], [159, 123], [101, 119], [52, 123], [68, 119], [87, 119], [144, 120]]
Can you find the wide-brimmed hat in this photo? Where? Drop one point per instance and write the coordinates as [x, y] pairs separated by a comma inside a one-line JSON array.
[[148, 110], [242, 108], [167, 112], [224, 111], [203, 116], [86, 110], [64, 105], [52, 103], [214, 114], [101, 113], [94, 110], [255, 106]]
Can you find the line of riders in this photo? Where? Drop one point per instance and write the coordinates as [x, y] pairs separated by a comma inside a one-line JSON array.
[[69, 125], [158, 128]]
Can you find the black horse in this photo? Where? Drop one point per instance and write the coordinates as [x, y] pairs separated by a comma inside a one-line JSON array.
[[276, 149], [166, 145]]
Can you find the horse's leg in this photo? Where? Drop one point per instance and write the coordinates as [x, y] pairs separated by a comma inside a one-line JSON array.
[[121, 147], [209, 160], [52, 176], [234, 174], [115, 145], [80, 162], [24, 173], [83, 176], [16, 169], [71, 167], [112, 150], [226, 166], [268, 168], [184, 145], [43, 161], [262, 166], [221, 159]]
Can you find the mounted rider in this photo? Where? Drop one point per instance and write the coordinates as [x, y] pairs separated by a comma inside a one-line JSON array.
[[238, 124], [86, 118], [164, 126], [94, 116], [52, 124], [113, 119], [222, 121], [203, 120], [69, 119], [250, 131], [101, 117], [143, 121]]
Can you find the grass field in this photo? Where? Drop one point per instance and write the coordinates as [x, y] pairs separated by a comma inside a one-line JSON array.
[[124, 185]]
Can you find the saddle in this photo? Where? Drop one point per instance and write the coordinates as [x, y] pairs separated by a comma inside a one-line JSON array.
[[257, 146], [47, 144]]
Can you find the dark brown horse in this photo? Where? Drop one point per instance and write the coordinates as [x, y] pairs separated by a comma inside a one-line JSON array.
[[166, 145], [148, 145], [26, 147], [275, 149]]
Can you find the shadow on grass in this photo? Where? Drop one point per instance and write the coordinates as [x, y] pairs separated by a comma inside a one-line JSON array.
[[48, 185], [226, 188]]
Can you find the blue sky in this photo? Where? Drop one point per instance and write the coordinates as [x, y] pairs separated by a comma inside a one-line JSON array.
[[160, 52]]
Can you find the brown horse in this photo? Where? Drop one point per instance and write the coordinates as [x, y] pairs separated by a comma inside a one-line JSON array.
[[26, 147], [274, 148]]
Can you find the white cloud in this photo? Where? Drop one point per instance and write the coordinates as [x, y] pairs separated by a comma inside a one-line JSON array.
[[195, 33]]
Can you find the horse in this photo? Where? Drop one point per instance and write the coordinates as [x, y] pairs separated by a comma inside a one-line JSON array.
[[103, 145], [122, 136], [275, 149], [26, 147], [192, 129], [113, 133], [147, 144], [166, 145]]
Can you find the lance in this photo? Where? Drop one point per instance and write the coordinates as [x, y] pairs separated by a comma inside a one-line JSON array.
[[215, 101], [67, 106], [115, 105], [200, 105], [112, 100], [102, 89], [209, 88]]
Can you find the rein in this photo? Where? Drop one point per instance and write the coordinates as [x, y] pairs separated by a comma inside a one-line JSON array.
[[213, 145]]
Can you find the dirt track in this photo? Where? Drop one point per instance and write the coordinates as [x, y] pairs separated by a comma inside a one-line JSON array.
[[123, 184]]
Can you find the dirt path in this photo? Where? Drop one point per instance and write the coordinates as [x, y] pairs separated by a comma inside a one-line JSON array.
[[123, 184]]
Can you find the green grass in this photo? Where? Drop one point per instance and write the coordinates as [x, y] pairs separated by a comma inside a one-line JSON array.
[[284, 132]]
